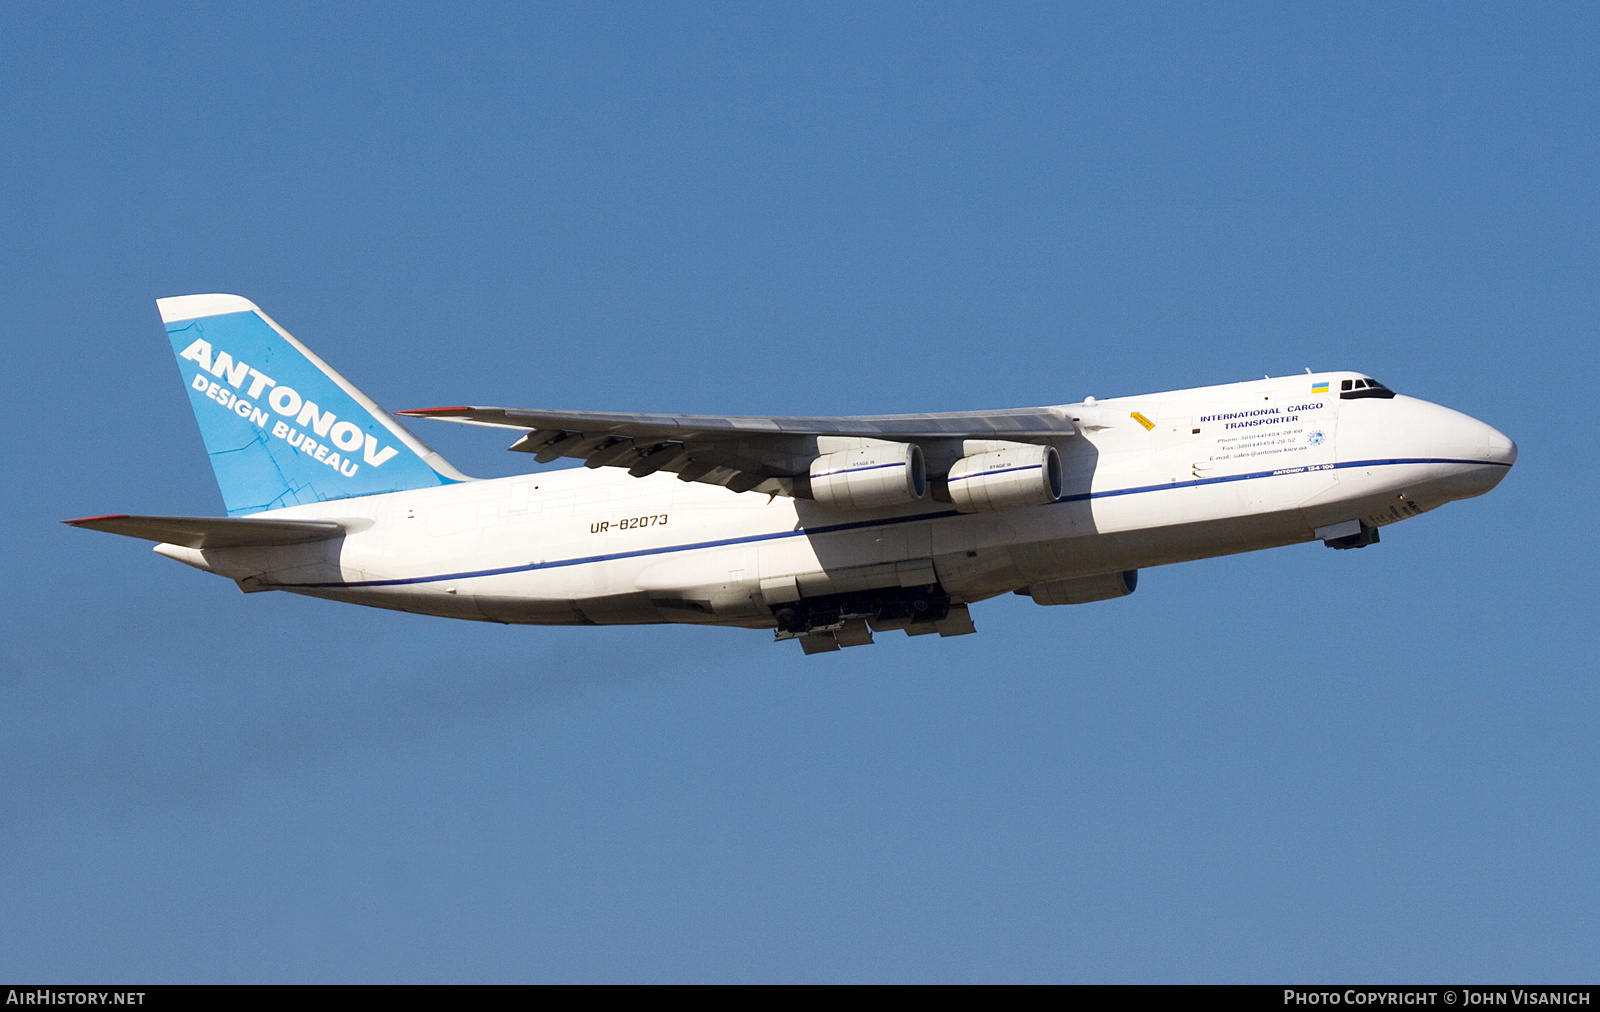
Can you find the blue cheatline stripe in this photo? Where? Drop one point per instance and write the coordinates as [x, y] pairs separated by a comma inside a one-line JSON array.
[[853, 470], [563, 563], [1003, 470], [860, 524], [1080, 497]]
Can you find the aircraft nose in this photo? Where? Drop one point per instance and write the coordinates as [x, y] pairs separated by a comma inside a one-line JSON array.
[[1487, 444], [1481, 455], [1501, 449]]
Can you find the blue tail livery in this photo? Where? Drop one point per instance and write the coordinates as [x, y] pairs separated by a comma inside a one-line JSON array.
[[281, 426]]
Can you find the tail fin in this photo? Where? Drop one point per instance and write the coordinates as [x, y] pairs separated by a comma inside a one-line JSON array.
[[282, 427]]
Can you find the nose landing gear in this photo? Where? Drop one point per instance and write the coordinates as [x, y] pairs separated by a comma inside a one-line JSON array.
[[1349, 534]]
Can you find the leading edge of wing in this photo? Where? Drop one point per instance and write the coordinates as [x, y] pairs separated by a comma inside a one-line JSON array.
[[1011, 423]]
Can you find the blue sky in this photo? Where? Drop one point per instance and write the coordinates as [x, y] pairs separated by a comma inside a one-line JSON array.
[[1294, 765]]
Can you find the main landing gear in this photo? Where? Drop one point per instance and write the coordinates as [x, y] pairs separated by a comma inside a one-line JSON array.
[[827, 623]]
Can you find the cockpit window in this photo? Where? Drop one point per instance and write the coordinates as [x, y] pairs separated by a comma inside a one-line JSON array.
[[1350, 390]]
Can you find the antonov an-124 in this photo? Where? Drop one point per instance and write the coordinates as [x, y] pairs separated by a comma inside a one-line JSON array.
[[825, 530]]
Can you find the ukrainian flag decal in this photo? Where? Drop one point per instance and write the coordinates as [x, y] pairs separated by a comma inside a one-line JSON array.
[[1320, 388]]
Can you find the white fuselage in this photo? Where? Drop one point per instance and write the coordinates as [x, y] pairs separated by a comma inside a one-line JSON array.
[[1148, 481]]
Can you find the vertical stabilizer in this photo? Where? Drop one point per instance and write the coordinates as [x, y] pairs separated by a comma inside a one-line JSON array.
[[281, 426]]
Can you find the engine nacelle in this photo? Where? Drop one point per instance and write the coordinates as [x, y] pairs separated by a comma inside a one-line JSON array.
[[878, 474], [1084, 589], [1006, 479]]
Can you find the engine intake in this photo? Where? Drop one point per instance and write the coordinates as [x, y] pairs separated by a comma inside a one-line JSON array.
[[878, 474], [1006, 479]]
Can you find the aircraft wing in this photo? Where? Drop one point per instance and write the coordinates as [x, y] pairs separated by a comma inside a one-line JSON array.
[[744, 453], [214, 532]]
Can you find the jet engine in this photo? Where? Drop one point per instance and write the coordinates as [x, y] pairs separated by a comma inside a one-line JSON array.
[[1084, 589], [878, 474], [1006, 479]]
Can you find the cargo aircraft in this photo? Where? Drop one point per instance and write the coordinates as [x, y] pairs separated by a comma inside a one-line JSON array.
[[826, 530]]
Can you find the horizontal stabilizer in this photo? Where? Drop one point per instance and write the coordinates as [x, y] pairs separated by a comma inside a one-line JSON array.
[[215, 532]]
